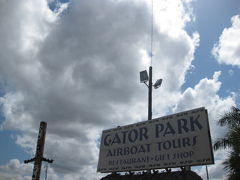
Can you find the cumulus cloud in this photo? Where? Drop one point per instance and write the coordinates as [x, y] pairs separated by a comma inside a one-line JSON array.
[[79, 72], [15, 170], [227, 50], [205, 93]]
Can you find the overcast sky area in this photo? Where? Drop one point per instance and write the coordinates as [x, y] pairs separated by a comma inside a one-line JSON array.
[[75, 64]]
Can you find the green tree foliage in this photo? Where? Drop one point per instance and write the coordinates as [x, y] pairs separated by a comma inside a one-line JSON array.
[[231, 140]]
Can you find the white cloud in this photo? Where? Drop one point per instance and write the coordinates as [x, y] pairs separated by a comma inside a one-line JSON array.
[[227, 50], [80, 73], [205, 93], [15, 170]]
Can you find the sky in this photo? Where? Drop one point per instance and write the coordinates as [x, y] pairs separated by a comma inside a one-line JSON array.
[[75, 64]]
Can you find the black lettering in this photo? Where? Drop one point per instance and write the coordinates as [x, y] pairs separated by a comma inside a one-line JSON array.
[[169, 130], [116, 139], [182, 125], [119, 151], [109, 153], [143, 133], [195, 122], [124, 136], [126, 150], [186, 141], [159, 129], [133, 150], [167, 145], [133, 135], [194, 140], [177, 143], [106, 140], [159, 146], [148, 147], [141, 149]]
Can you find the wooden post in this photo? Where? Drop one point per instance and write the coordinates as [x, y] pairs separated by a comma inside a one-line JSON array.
[[39, 152]]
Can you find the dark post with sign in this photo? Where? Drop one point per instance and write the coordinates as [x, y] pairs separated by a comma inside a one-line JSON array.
[[39, 152]]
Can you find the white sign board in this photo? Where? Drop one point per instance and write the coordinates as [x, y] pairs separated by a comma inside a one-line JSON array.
[[182, 139]]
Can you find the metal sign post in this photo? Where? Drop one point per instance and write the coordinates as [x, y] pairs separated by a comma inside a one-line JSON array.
[[39, 152]]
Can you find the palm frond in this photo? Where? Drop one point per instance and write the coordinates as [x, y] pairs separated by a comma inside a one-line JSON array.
[[231, 139], [234, 137], [222, 144], [232, 165], [231, 118]]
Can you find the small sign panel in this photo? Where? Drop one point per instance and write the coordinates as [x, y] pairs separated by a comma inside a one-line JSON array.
[[181, 139]]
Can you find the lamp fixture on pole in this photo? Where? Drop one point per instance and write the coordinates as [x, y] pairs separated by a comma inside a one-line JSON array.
[[143, 79]]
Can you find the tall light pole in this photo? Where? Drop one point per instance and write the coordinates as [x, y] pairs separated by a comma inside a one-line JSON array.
[[150, 94], [143, 79]]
